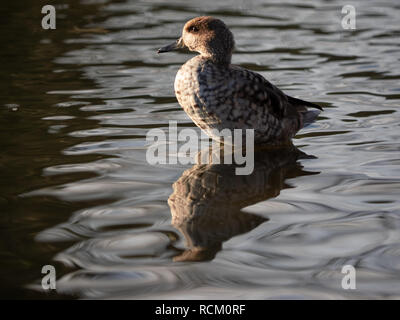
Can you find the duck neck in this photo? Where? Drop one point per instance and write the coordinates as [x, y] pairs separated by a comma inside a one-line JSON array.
[[218, 58]]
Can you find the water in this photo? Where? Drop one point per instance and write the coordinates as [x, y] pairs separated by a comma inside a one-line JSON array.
[[77, 193]]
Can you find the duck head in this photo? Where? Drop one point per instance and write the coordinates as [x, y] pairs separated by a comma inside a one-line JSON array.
[[208, 36]]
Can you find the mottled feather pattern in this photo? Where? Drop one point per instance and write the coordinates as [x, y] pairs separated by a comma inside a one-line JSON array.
[[219, 97]]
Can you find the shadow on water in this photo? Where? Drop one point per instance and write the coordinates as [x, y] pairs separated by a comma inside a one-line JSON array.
[[207, 200], [77, 102]]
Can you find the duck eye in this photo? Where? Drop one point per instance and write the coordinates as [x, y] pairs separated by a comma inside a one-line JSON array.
[[193, 29]]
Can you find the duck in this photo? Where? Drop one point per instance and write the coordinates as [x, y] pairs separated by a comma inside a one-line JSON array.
[[218, 95]]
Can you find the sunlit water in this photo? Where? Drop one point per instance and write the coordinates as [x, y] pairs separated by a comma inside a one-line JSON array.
[[77, 192]]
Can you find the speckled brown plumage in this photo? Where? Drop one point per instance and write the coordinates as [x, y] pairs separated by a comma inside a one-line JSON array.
[[218, 95]]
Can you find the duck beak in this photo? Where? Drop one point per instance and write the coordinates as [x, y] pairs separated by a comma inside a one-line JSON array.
[[173, 46]]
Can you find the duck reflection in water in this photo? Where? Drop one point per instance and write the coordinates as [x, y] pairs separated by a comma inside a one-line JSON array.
[[207, 200]]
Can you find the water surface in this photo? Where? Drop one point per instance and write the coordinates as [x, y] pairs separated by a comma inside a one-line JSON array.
[[76, 190]]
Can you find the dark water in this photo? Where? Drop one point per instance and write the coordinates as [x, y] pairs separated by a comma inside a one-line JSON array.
[[76, 191]]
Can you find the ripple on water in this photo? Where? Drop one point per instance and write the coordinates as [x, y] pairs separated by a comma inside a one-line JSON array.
[[301, 220]]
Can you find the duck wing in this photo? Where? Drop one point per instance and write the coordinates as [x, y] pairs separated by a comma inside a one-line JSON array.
[[292, 112], [298, 102]]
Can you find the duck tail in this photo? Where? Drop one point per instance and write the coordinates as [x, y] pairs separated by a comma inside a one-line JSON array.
[[309, 117]]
